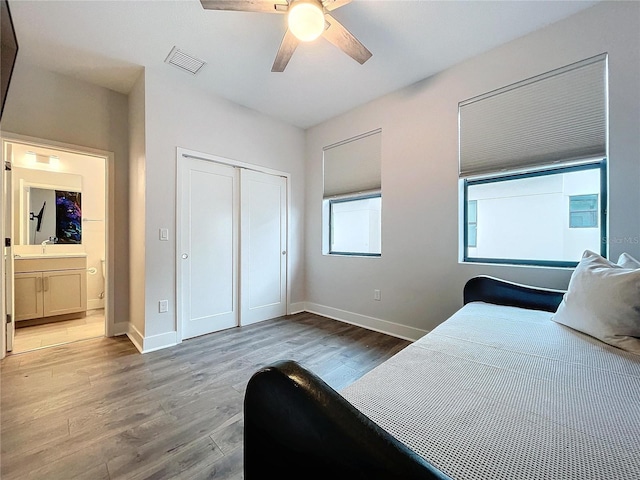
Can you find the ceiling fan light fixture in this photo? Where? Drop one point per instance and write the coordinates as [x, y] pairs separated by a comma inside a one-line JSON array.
[[306, 20]]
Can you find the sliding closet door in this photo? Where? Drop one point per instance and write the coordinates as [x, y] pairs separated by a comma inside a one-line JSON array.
[[209, 246], [263, 256]]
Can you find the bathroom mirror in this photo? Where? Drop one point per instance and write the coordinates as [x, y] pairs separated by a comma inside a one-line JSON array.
[[52, 215], [47, 206]]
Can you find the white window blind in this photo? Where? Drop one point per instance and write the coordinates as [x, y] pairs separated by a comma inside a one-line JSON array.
[[558, 116], [353, 166]]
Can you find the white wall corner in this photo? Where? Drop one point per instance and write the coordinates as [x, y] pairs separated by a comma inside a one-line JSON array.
[[297, 307], [158, 342], [95, 303], [120, 328], [371, 323], [134, 335], [147, 344]]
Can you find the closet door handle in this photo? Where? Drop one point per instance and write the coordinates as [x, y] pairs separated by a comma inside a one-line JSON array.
[[39, 284], [46, 284]]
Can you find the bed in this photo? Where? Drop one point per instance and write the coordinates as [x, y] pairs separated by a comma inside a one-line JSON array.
[[497, 391]]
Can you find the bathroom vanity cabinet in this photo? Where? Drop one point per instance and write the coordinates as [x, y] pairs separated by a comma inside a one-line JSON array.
[[47, 286]]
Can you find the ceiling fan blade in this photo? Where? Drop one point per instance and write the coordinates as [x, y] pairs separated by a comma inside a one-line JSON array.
[[264, 6], [287, 47], [331, 5], [345, 41]]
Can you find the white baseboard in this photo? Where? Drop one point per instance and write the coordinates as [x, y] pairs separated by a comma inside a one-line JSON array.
[[297, 307], [151, 343], [120, 328], [370, 323], [135, 336], [95, 303], [169, 339], [157, 342]]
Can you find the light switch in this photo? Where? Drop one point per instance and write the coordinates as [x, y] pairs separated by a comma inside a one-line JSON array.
[[164, 234]]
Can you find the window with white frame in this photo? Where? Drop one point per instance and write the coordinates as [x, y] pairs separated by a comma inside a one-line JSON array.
[[530, 153], [352, 197]]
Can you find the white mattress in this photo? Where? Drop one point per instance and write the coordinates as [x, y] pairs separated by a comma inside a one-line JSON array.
[[505, 393]]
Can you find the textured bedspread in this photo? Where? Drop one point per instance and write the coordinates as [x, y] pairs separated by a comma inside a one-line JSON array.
[[505, 393]]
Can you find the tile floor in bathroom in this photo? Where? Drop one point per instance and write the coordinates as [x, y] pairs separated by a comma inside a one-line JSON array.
[[57, 333]]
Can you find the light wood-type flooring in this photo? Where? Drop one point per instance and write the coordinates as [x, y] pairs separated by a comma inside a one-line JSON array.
[[56, 333], [97, 409]]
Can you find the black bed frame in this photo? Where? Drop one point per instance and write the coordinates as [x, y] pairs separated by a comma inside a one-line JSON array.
[[298, 427]]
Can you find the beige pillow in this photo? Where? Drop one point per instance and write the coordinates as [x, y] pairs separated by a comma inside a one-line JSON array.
[[603, 300], [627, 261]]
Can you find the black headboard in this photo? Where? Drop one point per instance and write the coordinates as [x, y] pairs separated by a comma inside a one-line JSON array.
[[488, 289], [8, 52]]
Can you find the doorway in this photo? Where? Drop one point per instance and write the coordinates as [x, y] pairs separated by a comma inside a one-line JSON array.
[[232, 238], [56, 266]]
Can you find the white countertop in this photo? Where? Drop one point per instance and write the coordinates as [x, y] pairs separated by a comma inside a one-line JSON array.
[[25, 256]]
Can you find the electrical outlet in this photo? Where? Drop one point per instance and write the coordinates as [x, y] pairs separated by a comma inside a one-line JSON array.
[[163, 306], [376, 295]]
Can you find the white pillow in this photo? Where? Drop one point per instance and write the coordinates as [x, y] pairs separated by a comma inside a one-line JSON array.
[[603, 300], [627, 261]]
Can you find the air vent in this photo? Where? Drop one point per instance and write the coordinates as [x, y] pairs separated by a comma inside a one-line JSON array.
[[184, 61]]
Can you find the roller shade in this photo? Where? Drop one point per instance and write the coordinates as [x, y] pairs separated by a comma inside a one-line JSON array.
[[554, 117], [353, 166]]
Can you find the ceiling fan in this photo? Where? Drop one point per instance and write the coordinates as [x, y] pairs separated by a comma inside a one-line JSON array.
[[307, 20]]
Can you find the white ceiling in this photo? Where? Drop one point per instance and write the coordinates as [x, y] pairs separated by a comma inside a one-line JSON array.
[[106, 42]]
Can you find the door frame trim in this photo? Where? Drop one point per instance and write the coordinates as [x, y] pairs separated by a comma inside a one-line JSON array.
[[109, 158], [184, 152]]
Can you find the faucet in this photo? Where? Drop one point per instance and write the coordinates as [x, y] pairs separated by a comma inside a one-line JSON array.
[[44, 244]]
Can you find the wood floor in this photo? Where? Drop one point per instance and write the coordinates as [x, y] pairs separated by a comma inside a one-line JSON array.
[[97, 409]]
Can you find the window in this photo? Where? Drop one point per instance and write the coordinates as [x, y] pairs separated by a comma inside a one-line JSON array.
[[530, 152], [472, 223], [583, 211], [524, 218], [355, 225], [352, 197]]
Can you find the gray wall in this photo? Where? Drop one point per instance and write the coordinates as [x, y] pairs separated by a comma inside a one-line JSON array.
[[137, 159], [180, 115], [55, 107], [419, 274]]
